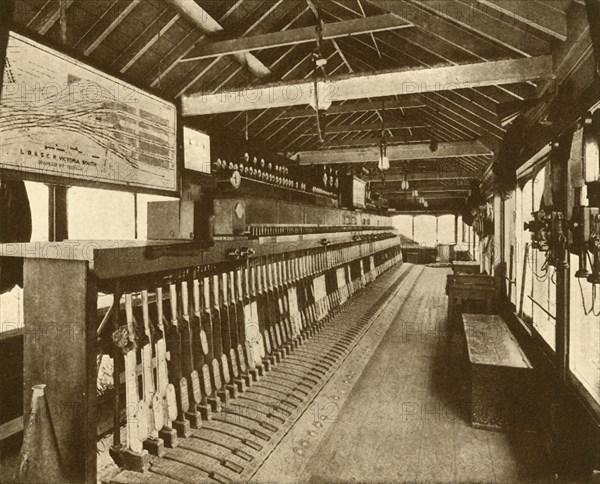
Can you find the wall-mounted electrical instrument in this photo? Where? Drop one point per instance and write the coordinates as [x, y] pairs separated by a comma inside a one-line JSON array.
[[540, 228], [584, 168]]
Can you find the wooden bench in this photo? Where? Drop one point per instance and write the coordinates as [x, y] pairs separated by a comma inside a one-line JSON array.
[[466, 267], [502, 380]]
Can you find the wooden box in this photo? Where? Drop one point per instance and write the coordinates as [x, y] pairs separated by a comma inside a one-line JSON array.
[[502, 382]]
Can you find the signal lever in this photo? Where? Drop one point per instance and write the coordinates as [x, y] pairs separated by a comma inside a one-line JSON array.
[[246, 252]]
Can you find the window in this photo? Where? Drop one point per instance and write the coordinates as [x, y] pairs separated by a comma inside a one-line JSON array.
[[539, 289], [404, 226], [425, 230], [446, 229], [11, 303], [584, 350], [100, 214], [509, 253]]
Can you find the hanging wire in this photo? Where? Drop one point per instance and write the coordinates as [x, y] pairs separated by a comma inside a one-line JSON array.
[[544, 275], [594, 299], [585, 310]]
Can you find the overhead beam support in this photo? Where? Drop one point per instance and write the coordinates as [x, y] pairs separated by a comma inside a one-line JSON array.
[[349, 128], [430, 196], [421, 151], [378, 84], [201, 19], [405, 102], [420, 136], [418, 177], [271, 40]]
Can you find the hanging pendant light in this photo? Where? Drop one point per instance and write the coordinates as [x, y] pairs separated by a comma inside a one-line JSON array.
[[384, 161], [404, 185]]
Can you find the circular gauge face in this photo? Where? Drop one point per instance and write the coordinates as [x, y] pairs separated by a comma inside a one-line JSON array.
[[239, 210], [236, 179]]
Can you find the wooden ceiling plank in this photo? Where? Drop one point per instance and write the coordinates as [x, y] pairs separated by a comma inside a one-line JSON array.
[[113, 25], [48, 15], [395, 152], [349, 128], [446, 31], [480, 117], [534, 14], [440, 121], [155, 38], [342, 56], [299, 35], [468, 16]]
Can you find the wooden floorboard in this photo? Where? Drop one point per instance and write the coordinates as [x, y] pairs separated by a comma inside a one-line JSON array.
[[405, 420]]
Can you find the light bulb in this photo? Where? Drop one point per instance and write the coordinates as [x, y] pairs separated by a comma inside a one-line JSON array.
[[385, 163]]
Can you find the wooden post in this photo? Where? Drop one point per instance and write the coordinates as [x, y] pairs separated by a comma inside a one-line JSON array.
[[58, 221], [456, 228], [60, 351]]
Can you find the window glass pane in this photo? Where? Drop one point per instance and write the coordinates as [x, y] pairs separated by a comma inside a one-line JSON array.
[[38, 201], [584, 354], [404, 225], [446, 229], [425, 230], [544, 282], [510, 245], [11, 303], [526, 209], [100, 214]]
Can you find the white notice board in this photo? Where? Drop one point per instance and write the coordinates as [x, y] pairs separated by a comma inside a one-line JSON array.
[[64, 118]]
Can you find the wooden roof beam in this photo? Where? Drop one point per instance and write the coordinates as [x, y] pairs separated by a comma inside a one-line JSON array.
[[201, 19], [405, 102], [348, 128], [395, 153], [378, 84], [417, 177], [418, 137], [272, 40]]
